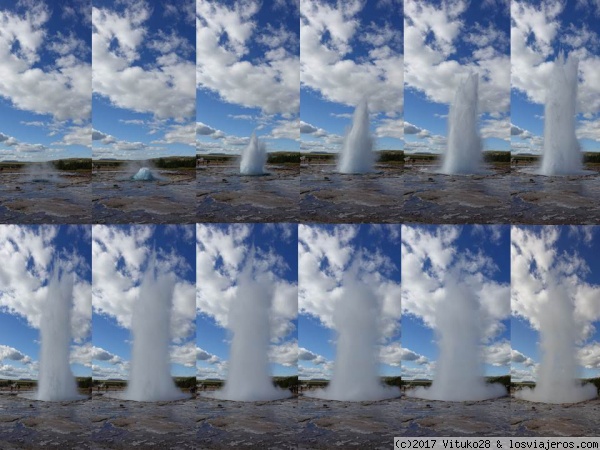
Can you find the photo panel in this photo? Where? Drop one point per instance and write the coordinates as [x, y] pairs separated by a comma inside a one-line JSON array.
[[349, 334], [143, 64], [248, 101], [457, 107], [247, 340], [144, 322], [45, 333], [45, 111], [456, 329], [351, 94], [555, 303], [555, 112]]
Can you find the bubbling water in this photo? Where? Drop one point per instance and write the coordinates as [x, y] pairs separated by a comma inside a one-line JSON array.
[[144, 174]]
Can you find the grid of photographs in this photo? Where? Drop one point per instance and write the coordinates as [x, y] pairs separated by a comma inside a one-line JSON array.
[[298, 223]]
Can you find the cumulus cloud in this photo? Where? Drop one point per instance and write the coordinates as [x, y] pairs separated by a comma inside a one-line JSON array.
[[165, 87], [430, 257], [536, 264], [12, 354], [222, 253], [119, 256], [324, 257], [61, 89], [327, 35], [535, 31], [28, 255], [225, 64], [432, 33]]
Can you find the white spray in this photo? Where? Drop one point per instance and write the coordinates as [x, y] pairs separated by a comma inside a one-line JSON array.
[[56, 381], [459, 369], [557, 380], [249, 377], [357, 152], [562, 155], [254, 157], [355, 373], [150, 378], [463, 155]]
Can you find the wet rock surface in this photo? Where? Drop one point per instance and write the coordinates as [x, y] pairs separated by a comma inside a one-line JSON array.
[[330, 197], [558, 200], [543, 419], [63, 197], [119, 199], [226, 196], [430, 197]]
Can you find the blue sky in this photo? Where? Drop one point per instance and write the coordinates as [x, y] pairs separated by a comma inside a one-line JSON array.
[[558, 248], [223, 251], [540, 30], [120, 255], [480, 257], [144, 76], [350, 51], [31, 252], [45, 95], [326, 253], [443, 42], [247, 75]]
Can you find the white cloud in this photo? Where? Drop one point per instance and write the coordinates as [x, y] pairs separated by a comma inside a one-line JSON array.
[[536, 264], [430, 259], [27, 254], [327, 34], [12, 354], [325, 256], [221, 255], [165, 88], [431, 36], [534, 33], [118, 257], [63, 89], [224, 35]]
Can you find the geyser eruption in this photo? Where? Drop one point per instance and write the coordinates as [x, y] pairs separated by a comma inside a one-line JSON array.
[[249, 378], [557, 380], [150, 377], [459, 369], [357, 151], [355, 373], [254, 157], [562, 155], [56, 381], [144, 174], [463, 154]]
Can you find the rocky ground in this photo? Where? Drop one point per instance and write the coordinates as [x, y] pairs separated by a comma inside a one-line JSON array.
[[541, 200], [226, 196], [118, 199], [45, 198], [434, 198], [330, 197]]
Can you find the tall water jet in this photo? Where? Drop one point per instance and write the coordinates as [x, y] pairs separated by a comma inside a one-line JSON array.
[[562, 155], [254, 157], [355, 373], [557, 380], [56, 381], [357, 151], [248, 377], [463, 154], [459, 374], [150, 377]]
